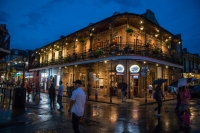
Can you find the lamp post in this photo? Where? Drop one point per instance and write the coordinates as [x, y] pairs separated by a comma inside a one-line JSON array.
[[144, 74]]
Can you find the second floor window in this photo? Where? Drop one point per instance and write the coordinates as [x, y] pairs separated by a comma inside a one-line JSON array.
[[60, 53], [47, 57], [53, 55]]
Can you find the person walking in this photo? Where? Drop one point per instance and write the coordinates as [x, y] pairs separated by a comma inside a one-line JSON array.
[[77, 103], [150, 90], [52, 95], [60, 95], [184, 106], [158, 95], [124, 86], [37, 92], [28, 88]]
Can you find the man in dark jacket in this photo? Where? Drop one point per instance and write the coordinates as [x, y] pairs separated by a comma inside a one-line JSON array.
[[158, 95], [52, 95]]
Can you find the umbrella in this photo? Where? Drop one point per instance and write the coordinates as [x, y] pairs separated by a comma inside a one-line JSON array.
[[121, 84], [158, 81], [182, 82], [191, 79]]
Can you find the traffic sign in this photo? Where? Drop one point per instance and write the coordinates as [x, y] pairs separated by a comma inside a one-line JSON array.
[[143, 74]]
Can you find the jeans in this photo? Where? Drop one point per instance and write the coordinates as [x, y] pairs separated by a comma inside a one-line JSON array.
[[159, 102], [52, 102], [59, 101], [75, 121]]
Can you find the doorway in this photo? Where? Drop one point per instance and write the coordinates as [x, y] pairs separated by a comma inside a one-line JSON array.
[[133, 86], [114, 82]]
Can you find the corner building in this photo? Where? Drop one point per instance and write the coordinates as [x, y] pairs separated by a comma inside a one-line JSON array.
[[126, 47]]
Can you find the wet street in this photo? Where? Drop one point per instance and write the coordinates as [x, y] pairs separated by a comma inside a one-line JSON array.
[[126, 117]]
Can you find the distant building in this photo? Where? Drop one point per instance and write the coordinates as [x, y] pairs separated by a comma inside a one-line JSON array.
[[125, 47], [13, 65], [191, 64]]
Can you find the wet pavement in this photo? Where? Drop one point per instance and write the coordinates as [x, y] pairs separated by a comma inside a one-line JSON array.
[[132, 116]]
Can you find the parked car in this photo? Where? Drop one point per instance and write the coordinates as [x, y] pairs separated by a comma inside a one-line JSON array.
[[195, 91]]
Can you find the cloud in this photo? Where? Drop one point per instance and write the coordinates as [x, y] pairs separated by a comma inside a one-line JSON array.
[[124, 3], [4, 16], [34, 19]]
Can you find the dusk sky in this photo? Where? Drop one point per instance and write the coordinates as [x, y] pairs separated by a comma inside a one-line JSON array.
[[35, 23]]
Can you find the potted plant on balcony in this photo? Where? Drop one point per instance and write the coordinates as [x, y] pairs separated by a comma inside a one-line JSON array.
[[82, 40], [98, 52], [167, 43], [173, 51], [65, 59], [168, 57], [35, 60], [57, 49], [46, 63], [129, 31], [155, 51]]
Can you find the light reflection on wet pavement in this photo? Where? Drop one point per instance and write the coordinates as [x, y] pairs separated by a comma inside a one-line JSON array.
[[105, 118]]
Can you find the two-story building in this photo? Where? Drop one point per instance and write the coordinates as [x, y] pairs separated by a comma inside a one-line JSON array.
[[14, 65], [125, 47], [191, 64]]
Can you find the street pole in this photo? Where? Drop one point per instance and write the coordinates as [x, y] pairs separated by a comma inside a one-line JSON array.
[[23, 82], [111, 83], [145, 89]]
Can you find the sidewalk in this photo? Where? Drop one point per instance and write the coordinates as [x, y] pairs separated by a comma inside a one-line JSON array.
[[33, 107], [115, 100]]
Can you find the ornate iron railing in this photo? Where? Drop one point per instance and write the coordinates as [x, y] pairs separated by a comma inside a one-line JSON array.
[[113, 49]]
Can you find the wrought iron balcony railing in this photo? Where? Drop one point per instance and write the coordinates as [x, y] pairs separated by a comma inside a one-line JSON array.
[[112, 50]]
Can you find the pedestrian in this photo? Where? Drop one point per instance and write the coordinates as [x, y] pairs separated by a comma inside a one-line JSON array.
[[33, 87], [184, 106], [77, 103], [124, 92], [178, 99], [158, 95], [52, 94], [150, 90], [37, 92], [60, 95], [28, 89]]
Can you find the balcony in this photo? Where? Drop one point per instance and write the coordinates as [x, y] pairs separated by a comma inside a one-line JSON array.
[[112, 50]]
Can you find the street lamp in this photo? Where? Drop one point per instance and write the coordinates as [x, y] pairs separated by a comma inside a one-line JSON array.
[[24, 66]]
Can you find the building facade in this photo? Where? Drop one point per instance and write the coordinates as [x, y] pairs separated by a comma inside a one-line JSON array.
[[126, 47], [191, 64], [14, 65]]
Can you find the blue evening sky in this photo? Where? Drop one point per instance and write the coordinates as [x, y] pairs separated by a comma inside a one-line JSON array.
[[35, 23]]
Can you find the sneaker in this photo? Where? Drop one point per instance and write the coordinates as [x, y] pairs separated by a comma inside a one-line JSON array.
[[158, 115]]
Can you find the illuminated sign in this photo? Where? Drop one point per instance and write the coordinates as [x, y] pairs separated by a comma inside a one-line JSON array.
[[134, 69], [120, 68]]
